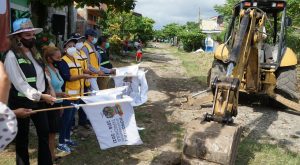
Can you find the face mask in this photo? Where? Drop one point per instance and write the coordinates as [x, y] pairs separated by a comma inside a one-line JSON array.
[[79, 45], [28, 43], [55, 60], [107, 45], [94, 40], [55, 63], [72, 51]]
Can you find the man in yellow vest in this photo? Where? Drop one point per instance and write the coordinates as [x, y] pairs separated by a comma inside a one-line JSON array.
[[82, 58], [93, 58]]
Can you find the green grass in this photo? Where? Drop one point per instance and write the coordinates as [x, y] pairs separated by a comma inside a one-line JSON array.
[[179, 134], [254, 153], [197, 65]]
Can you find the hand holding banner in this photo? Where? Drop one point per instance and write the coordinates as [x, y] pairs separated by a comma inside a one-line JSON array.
[[135, 79]]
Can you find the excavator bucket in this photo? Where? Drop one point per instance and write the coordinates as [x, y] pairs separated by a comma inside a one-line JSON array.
[[210, 143]]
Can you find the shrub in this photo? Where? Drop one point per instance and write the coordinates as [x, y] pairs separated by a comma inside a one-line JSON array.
[[191, 39], [293, 41], [115, 44]]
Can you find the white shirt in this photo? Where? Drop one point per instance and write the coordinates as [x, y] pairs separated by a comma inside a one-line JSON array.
[[18, 78], [8, 126]]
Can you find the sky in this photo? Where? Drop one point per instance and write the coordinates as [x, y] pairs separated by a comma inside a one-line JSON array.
[[176, 11]]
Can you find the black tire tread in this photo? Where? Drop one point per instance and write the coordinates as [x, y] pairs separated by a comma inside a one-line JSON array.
[[286, 84], [218, 69]]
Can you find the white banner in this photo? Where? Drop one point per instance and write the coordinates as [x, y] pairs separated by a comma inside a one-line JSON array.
[[135, 79], [113, 123], [127, 70]]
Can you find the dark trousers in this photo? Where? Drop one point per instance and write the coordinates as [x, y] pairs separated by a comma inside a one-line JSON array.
[[40, 121], [82, 118], [66, 121]]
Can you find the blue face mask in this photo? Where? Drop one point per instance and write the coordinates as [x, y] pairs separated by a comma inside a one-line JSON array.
[[107, 45], [95, 40]]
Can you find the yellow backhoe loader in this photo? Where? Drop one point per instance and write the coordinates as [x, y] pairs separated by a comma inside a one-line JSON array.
[[254, 60]]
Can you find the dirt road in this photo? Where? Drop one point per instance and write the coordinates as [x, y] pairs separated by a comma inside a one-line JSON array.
[[168, 83]]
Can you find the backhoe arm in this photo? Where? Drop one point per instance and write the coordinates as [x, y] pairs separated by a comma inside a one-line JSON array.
[[226, 89]]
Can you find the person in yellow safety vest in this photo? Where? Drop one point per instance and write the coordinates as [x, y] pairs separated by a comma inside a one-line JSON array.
[[72, 73], [82, 58], [94, 58]]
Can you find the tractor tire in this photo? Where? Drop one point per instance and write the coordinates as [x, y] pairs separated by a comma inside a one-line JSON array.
[[286, 84], [218, 69]]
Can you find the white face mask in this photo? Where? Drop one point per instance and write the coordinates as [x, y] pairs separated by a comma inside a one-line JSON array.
[[79, 45], [72, 51], [95, 40]]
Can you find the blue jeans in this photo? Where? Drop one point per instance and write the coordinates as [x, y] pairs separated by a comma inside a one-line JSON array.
[[82, 118], [66, 121]]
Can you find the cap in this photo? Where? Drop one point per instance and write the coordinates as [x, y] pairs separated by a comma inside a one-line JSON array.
[[90, 32]]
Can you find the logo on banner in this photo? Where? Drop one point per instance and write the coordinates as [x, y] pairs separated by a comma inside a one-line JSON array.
[[127, 81], [110, 112]]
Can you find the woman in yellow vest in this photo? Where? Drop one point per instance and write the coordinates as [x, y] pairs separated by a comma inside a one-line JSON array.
[[71, 71]]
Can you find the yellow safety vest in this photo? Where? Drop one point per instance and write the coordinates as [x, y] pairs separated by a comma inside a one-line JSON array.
[[74, 88], [93, 56], [82, 58]]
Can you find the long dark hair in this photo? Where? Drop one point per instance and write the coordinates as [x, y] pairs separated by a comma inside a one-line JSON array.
[[15, 46]]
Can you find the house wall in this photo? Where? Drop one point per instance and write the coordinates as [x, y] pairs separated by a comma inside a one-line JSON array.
[[87, 19], [81, 23]]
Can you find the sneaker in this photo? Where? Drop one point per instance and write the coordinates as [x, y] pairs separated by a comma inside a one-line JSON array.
[[63, 148], [71, 143]]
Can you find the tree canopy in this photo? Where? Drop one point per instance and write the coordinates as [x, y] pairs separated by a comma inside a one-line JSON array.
[[171, 30], [126, 24], [293, 6], [121, 5], [121, 25], [189, 35]]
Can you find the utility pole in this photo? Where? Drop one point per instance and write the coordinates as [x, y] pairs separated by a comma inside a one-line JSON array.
[[200, 20]]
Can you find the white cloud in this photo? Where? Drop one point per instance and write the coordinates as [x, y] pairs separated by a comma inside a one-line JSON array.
[[178, 11]]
